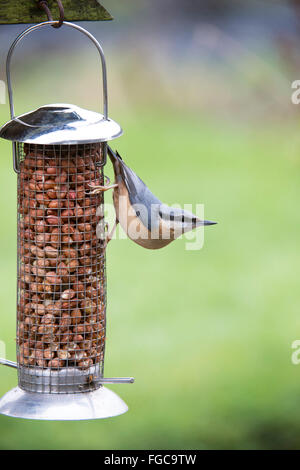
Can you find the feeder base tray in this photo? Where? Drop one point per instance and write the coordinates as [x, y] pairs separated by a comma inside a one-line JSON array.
[[101, 403]]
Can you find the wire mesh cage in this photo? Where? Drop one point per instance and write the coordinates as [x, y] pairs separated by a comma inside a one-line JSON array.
[[59, 154], [61, 267]]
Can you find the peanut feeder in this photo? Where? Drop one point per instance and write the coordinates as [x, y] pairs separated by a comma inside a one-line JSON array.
[[59, 152]]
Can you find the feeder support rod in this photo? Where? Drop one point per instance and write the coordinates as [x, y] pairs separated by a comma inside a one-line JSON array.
[[5, 362], [118, 380], [102, 380]]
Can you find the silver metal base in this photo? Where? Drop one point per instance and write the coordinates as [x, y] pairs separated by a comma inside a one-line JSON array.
[[102, 403], [65, 380]]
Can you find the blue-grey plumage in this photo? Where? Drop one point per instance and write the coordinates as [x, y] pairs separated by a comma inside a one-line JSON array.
[[140, 196], [145, 219]]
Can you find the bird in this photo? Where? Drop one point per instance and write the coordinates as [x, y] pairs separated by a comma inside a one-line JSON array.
[[145, 219]]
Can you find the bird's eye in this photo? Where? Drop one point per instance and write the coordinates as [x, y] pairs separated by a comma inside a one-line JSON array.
[[138, 213], [182, 218], [172, 216], [194, 220]]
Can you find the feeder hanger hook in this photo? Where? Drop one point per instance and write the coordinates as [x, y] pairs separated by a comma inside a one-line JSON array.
[[43, 4]]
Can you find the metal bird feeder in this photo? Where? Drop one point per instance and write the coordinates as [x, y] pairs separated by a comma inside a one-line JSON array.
[[59, 153]]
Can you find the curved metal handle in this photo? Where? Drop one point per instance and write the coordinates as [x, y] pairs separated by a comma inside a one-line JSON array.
[[8, 74], [70, 25]]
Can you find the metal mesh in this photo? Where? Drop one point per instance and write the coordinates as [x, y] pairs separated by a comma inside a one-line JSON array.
[[61, 292]]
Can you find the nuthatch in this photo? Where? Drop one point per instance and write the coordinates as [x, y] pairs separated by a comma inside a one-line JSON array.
[[146, 220]]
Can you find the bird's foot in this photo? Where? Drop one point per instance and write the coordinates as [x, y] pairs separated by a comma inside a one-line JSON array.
[[101, 188], [110, 235]]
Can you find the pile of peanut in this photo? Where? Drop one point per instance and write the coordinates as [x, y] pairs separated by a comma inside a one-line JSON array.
[[61, 263]]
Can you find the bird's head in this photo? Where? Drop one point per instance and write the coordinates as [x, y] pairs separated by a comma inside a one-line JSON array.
[[178, 221]]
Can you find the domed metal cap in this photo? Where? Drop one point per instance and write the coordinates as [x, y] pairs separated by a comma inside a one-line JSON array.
[[60, 124]]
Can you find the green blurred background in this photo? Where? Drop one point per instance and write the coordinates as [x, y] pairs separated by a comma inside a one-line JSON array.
[[203, 93]]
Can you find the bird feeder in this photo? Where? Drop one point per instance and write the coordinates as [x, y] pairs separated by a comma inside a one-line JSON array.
[[59, 154]]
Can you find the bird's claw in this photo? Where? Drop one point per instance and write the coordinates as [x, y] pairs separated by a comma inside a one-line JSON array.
[[102, 188], [109, 236]]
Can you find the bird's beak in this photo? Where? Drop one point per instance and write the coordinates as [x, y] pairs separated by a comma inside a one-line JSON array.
[[200, 223], [208, 222]]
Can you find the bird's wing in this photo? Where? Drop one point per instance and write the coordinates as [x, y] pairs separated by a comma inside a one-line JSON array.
[[140, 195]]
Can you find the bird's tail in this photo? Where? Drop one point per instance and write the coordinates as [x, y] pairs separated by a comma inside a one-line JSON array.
[[113, 155], [117, 162]]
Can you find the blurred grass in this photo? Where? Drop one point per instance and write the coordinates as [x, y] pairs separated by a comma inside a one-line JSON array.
[[207, 334]]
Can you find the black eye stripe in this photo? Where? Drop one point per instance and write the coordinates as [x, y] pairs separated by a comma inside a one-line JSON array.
[[172, 217]]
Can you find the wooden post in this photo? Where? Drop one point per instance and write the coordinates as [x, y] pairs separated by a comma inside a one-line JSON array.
[[28, 11]]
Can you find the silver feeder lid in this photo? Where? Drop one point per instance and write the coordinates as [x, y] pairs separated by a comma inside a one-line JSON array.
[[60, 124]]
